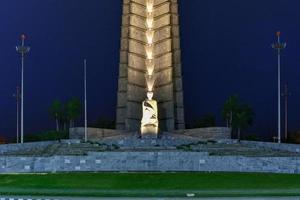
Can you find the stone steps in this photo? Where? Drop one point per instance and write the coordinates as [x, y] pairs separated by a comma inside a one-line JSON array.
[[213, 149]]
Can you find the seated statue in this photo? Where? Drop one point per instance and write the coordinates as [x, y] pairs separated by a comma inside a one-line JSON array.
[[149, 123]]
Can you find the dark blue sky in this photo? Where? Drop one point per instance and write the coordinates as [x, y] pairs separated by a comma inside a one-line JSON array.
[[225, 50]]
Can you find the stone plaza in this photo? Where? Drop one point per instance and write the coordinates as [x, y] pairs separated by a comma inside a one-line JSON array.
[[201, 156], [150, 103]]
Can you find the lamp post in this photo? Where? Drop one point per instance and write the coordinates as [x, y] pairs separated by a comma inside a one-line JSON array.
[[17, 96], [286, 94], [23, 50], [279, 47], [85, 103]]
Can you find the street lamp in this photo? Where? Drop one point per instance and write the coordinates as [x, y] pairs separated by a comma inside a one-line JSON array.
[[23, 50], [279, 46], [17, 96], [85, 104]]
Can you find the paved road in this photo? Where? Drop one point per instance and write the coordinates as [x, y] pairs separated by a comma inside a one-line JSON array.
[[87, 198]]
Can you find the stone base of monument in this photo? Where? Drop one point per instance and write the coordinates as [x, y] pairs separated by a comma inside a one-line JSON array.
[[149, 132], [135, 141], [215, 133], [218, 156]]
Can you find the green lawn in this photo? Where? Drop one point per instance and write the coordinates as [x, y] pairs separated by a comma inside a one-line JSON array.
[[151, 184]]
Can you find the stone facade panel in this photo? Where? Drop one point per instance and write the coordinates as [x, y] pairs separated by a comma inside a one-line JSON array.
[[134, 111], [136, 77], [122, 99], [163, 62], [166, 55], [137, 48], [164, 93], [163, 47], [122, 84], [136, 62], [137, 21], [138, 9], [136, 93], [161, 10], [164, 77], [162, 21]]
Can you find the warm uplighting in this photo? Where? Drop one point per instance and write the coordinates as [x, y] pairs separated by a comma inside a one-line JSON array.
[[150, 36], [150, 79], [149, 21], [149, 51], [150, 4], [149, 123], [150, 67]]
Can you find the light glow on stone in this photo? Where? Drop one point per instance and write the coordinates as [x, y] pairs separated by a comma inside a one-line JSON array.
[[149, 123], [150, 21], [150, 67], [150, 36], [150, 5], [149, 51], [150, 79]]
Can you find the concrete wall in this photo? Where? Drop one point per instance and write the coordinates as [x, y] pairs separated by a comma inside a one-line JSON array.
[[26, 146], [94, 133], [214, 133], [274, 146], [150, 161]]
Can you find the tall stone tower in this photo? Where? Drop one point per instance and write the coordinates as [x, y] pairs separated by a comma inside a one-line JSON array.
[[150, 24]]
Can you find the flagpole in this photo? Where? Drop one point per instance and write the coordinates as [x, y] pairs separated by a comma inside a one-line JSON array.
[[85, 102], [279, 46]]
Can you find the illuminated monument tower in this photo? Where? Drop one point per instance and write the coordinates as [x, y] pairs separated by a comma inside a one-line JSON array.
[[150, 95]]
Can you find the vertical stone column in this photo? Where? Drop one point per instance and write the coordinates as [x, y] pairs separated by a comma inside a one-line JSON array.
[[177, 73], [132, 85], [123, 69]]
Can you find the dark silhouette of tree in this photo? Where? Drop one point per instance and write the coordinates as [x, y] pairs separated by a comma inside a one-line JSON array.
[[73, 110], [243, 118], [56, 111], [229, 109], [64, 113], [237, 115]]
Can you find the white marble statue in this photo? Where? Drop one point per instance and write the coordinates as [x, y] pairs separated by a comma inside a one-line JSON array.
[[149, 123]]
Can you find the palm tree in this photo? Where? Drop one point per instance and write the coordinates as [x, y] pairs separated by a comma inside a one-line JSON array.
[[237, 115], [56, 111], [73, 110], [243, 118], [229, 109]]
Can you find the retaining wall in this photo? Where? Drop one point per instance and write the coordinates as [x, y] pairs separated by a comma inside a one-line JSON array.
[[25, 146], [214, 133], [94, 133], [273, 146], [149, 161]]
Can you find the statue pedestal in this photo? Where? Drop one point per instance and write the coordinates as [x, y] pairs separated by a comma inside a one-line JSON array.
[[149, 132], [149, 123]]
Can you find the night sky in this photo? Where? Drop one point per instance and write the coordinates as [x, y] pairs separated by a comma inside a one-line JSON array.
[[226, 50]]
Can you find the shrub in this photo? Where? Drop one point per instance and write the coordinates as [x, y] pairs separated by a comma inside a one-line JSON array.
[[251, 138], [47, 136], [294, 137]]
